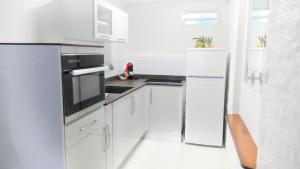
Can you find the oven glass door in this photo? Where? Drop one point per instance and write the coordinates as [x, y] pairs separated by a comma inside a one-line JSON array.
[[82, 91]]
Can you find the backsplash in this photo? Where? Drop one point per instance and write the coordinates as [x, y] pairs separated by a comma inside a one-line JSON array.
[[159, 65]]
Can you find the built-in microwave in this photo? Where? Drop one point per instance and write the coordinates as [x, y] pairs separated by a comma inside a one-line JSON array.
[[83, 84]]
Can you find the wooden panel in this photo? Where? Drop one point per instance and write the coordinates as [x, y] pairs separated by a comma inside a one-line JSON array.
[[244, 144]]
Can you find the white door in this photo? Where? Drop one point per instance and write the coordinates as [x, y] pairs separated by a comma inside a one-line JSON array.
[[141, 111], [166, 112], [123, 129], [120, 25], [103, 20], [85, 142], [109, 135], [205, 111]]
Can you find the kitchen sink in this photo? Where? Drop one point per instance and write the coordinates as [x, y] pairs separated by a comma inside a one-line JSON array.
[[116, 89]]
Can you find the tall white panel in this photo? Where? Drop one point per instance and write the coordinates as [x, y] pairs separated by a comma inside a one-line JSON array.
[[31, 116]]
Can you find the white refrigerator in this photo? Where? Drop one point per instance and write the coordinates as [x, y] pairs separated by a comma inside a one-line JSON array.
[[205, 96]]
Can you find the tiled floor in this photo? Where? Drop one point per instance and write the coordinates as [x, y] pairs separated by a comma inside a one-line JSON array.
[[153, 154]]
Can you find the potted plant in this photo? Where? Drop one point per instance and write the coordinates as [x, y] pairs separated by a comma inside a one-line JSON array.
[[204, 42], [200, 42]]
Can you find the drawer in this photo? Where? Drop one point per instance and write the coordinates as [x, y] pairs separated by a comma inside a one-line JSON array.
[[90, 124]]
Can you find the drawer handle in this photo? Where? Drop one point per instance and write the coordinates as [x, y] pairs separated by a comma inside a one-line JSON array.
[[89, 125]]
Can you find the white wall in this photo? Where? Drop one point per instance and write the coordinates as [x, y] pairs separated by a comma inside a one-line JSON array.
[[233, 29], [279, 124], [158, 39], [250, 96], [114, 55], [114, 51], [240, 55]]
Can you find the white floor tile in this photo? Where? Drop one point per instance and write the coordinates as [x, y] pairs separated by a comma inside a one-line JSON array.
[[153, 154]]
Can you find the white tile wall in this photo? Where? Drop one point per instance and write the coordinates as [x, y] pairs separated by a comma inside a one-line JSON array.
[[159, 65]]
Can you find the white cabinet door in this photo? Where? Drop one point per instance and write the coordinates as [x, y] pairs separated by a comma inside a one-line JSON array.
[[103, 20], [146, 107], [120, 26], [166, 112], [141, 111], [123, 129], [109, 135], [130, 121], [89, 151]]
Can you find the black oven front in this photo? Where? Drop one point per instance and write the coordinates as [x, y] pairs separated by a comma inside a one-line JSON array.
[[83, 82]]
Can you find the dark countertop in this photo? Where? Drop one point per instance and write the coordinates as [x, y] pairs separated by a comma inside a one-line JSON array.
[[136, 84]]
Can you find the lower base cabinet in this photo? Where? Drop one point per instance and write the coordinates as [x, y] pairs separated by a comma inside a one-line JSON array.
[[87, 142], [166, 112], [129, 124], [141, 109], [105, 138], [87, 153]]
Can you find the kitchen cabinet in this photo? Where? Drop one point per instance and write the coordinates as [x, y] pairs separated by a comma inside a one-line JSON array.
[[109, 135], [86, 142], [93, 20], [120, 26], [141, 110], [122, 129], [103, 20], [166, 112], [129, 124]]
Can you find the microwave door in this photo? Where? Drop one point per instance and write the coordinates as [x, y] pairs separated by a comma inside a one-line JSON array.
[[82, 91]]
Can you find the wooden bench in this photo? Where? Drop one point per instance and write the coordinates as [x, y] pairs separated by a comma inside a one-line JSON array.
[[243, 141]]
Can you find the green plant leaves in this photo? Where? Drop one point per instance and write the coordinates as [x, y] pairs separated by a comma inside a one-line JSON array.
[[203, 42]]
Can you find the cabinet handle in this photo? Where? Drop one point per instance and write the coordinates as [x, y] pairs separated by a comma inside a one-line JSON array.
[[132, 104], [107, 137], [121, 40], [89, 125], [151, 98]]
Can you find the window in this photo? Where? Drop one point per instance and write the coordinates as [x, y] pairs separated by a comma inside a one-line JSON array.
[[200, 18], [260, 15]]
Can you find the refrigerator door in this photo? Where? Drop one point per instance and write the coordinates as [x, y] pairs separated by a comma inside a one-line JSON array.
[[207, 63], [205, 111]]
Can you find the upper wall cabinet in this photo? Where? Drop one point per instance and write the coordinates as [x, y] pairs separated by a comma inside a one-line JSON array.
[[103, 20], [93, 20], [120, 26]]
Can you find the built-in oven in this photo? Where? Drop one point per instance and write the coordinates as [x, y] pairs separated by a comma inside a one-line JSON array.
[[83, 84]]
